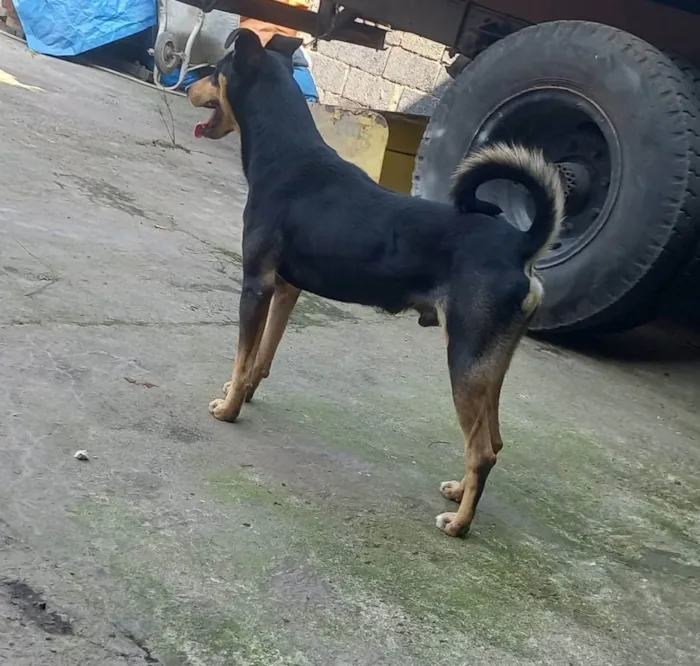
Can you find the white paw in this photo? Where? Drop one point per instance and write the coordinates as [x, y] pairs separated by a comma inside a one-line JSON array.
[[443, 520], [452, 490], [220, 410], [447, 522], [215, 404]]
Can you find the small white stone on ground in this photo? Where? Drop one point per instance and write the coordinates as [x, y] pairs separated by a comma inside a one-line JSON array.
[[81, 455]]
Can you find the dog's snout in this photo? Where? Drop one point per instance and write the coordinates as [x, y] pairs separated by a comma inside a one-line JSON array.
[[192, 91]]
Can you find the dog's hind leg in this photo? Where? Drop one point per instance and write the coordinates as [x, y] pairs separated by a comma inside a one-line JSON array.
[[283, 301], [454, 490], [255, 303], [471, 395], [478, 358]]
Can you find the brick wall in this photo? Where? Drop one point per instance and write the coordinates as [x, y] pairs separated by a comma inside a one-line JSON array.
[[409, 75]]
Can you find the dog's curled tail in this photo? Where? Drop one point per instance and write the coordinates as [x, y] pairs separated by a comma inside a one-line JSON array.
[[524, 166]]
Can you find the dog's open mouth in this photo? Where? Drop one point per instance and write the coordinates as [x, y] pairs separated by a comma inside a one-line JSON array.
[[204, 129]]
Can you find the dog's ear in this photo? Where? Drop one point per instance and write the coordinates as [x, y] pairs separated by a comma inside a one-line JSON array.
[[247, 49], [284, 45], [231, 38]]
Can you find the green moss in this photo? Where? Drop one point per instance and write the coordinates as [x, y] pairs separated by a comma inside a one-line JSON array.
[[547, 538], [488, 583], [554, 486], [202, 598]]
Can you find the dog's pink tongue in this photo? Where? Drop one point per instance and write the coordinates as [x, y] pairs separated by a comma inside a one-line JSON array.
[[199, 129]]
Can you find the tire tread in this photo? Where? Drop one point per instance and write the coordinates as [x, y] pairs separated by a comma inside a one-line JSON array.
[[626, 303]]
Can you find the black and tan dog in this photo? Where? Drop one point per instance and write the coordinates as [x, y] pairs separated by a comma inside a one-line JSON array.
[[317, 223]]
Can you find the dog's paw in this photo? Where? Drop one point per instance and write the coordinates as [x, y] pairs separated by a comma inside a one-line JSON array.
[[219, 410], [227, 387], [452, 490], [446, 522]]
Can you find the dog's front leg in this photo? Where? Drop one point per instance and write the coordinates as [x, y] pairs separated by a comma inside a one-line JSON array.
[[254, 306], [283, 301]]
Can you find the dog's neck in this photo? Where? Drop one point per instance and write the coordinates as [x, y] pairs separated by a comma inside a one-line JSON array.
[[276, 125]]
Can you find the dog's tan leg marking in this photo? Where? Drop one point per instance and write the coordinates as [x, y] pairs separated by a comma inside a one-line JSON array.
[[500, 375], [228, 408], [253, 316], [442, 321], [477, 400], [451, 490], [454, 490], [283, 301], [534, 296], [494, 405], [472, 402]]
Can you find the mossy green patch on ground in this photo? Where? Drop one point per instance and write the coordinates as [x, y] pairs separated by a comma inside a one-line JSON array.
[[556, 475], [552, 480], [200, 595], [491, 583]]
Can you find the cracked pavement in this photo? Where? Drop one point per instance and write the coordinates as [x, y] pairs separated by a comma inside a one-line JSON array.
[[302, 535]]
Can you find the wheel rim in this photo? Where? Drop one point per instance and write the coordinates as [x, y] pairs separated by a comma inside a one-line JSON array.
[[573, 133], [166, 55], [169, 55]]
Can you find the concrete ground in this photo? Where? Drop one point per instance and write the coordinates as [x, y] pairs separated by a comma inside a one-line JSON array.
[[304, 534]]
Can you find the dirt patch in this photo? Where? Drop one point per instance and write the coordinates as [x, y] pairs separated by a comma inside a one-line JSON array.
[[165, 145], [139, 643], [106, 194], [34, 608]]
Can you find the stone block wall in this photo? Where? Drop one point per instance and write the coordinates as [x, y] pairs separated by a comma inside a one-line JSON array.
[[8, 13], [408, 76], [9, 21]]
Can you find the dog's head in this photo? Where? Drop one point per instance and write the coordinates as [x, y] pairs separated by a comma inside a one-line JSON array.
[[235, 72]]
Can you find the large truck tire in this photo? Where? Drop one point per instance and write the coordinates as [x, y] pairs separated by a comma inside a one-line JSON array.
[[622, 122], [684, 295]]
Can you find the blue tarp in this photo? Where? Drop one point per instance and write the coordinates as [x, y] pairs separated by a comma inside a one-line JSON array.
[[71, 27], [305, 80]]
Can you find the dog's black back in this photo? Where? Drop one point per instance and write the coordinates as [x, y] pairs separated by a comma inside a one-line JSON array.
[[334, 232]]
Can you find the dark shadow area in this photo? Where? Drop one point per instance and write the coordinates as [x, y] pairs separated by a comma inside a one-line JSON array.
[[663, 341], [665, 352]]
